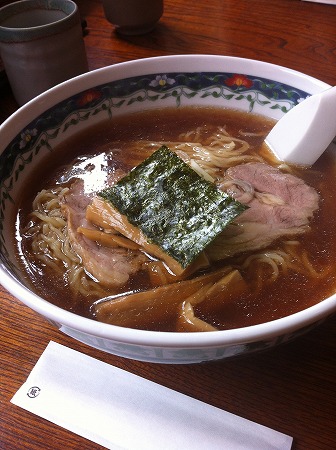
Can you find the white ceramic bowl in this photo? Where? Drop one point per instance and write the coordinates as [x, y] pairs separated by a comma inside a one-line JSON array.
[[137, 85]]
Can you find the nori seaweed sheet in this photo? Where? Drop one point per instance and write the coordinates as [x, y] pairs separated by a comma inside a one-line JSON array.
[[174, 206]]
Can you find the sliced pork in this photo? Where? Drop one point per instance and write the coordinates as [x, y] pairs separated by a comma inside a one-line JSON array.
[[110, 266], [280, 204]]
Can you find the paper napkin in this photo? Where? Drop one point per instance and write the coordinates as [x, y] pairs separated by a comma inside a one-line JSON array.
[[329, 2], [119, 410]]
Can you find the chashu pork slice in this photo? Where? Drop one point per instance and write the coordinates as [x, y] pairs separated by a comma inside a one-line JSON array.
[[280, 204], [110, 266]]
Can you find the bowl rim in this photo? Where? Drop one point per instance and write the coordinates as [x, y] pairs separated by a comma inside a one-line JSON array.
[[260, 332]]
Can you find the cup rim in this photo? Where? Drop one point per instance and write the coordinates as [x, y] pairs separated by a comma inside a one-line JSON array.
[[10, 34]]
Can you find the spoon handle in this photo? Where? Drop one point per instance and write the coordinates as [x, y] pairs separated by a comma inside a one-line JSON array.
[[304, 133]]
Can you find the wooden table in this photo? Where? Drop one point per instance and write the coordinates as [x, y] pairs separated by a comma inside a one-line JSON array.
[[291, 388]]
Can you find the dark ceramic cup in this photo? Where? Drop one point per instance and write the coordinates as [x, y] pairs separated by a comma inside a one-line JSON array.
[[41, 45], [132, 17]]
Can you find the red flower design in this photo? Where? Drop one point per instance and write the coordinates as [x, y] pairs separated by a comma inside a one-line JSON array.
[[239, 80], [88, 97]]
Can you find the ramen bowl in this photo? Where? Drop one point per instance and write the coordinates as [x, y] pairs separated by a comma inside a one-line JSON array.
[[38, 128]]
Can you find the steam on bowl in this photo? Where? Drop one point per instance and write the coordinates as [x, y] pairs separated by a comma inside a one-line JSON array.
[[44, 130]]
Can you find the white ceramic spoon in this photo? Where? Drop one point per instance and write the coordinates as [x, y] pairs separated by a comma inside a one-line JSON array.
[[303, 134]]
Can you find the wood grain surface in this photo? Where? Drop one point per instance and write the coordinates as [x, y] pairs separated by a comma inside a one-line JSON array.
[[291, 388]]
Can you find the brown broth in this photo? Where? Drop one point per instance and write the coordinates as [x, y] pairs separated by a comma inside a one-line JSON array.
[[288, 294]]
